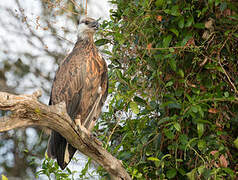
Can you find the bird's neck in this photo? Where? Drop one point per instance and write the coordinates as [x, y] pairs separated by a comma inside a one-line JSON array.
[[86, 36], [85, 42]]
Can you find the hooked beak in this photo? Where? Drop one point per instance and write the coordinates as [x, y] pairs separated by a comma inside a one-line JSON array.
[[94, 25]]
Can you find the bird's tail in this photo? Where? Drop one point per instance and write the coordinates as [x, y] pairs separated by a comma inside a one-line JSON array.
[[60, 149]]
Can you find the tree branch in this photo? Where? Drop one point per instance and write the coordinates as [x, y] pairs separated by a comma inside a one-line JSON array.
[[26, 111]]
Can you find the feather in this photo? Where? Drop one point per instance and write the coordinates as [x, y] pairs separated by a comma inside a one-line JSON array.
[[77, 81]]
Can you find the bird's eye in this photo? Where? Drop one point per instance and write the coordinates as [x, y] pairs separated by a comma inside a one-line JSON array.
[[86, 22]]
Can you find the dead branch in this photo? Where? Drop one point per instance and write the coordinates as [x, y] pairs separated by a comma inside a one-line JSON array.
[[26, 111]]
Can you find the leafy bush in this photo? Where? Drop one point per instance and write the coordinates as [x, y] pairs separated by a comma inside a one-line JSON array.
[[173, 111], [50, 168]]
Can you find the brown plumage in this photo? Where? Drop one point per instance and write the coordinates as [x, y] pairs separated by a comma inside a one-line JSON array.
[[81, 81]]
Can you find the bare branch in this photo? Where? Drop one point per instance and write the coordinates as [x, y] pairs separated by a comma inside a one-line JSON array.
[[26, 111]]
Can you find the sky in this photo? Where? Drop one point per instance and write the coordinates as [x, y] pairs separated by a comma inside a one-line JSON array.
[[17, 44]]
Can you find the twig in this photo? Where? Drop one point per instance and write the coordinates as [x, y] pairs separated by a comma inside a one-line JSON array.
[[219, 61], [73, 1], [228, 77], [86, 8], [175, 47], [61, 7], [113, 130]]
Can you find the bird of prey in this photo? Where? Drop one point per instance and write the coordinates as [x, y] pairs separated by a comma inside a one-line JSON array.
[[81, 82]]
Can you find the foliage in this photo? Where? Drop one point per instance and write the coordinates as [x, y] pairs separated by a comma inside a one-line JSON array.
[[173, 110], [4, 177], [50, 168]]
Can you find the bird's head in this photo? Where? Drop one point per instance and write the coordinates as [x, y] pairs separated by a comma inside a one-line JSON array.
[[87, 27]]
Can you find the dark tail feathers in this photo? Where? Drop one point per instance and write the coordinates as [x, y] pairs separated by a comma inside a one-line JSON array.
[[60, 149]]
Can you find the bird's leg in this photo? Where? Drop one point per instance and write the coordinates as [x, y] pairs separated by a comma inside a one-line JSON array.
[[80, 126], [78, 120]]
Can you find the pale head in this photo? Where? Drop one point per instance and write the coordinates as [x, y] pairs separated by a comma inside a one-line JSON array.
[[87, 27]]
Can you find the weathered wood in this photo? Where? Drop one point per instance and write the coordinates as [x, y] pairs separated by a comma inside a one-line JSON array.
[[26, 111]]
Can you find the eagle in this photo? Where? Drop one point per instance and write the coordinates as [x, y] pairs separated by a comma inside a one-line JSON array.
[[81, 81]]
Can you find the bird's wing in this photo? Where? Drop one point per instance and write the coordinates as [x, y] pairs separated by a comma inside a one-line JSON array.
[[95, 89], [81, 81], [68, 84], [67, 87]]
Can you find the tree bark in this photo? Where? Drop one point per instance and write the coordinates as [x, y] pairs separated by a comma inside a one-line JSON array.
[[26, 111]]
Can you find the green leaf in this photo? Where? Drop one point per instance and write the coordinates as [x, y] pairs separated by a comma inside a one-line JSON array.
[[175, 31], [183, 139], [163, 120], [182, 171], [227, 32], [189, 98], [139, 100], [166, 156], [167, 40], [223, 6], [196, 91], [200, 129], [199, 25], [171, 50], [201, 169], [181, 73], [201, 144], [153, 159], [177, 126], [173, 105], [191, 174], [159, 3], [101, 42], [194, 109], [230, 172], [169, 134], [119, 74], [236, 143], [181, 22], [185, 40], [170, 83], [171, 173], [125, 155], [172, 64], [203, 121], [200, 111], [217, 2], [226, 94], [235, 34], [175, 10], [4, 177], [107, 52], [189, 21], [134, 107], [210, 2], [179, 92], [167, 11]]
